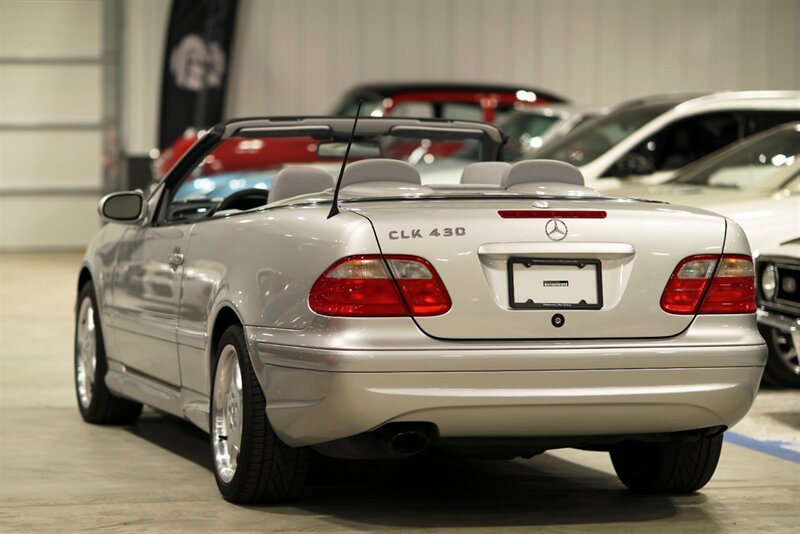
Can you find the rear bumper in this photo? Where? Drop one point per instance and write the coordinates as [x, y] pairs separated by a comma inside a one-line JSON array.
[[311, 407], [308, 406]]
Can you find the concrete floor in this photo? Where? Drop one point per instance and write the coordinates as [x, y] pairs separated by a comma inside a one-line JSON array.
[[59, 474]]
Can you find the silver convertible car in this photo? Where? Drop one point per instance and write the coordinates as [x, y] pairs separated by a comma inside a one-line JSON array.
[[284, 311]]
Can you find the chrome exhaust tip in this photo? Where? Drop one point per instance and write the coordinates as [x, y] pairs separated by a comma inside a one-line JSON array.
[[408, 442]]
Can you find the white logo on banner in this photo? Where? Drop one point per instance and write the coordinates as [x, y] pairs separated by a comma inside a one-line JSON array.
[[195, 66]]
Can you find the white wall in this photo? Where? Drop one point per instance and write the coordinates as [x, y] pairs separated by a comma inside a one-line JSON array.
[[51, 122], [145, 33], [296, 57]]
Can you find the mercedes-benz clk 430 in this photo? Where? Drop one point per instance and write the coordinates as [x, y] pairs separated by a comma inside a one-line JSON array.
[[285, 312]]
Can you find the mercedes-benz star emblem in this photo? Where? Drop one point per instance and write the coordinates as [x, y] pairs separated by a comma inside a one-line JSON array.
[[556, 229]]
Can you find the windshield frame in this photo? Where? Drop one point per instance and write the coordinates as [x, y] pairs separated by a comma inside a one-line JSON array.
[[490, 138]]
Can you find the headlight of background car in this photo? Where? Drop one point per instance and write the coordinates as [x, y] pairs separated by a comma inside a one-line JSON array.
[[769, 282]]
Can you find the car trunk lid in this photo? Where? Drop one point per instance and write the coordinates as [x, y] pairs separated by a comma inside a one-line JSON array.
[[556, 275]]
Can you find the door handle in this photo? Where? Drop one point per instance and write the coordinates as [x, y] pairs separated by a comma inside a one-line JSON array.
[[175, 260]]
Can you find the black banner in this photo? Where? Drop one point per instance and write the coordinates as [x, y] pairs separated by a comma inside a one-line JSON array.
[[196, 64]]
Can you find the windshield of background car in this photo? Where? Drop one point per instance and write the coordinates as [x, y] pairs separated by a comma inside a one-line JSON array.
[[754, 164], [251, 164], [593, 139], [525, 131]]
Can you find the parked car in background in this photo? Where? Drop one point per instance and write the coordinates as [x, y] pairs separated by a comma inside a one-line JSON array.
[[482, 321], [458, 101], [461, 101], [755, 182], [650, 139], [530, 128], [778, 273]]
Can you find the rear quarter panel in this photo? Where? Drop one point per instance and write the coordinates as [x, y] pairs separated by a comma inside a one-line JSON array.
[[261, 265]]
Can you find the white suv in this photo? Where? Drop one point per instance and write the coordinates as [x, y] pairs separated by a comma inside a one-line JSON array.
[[651, 138]]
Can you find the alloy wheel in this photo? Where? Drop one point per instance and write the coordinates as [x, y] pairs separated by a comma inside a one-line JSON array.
[[86, 352], [227, 417]]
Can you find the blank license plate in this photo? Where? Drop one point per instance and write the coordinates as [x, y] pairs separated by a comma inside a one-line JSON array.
[[555, 284]]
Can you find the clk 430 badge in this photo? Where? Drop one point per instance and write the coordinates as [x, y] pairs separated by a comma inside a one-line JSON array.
[[418, 233]]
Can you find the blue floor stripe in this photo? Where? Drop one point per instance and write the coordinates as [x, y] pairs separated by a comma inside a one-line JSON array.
[[767, 447]]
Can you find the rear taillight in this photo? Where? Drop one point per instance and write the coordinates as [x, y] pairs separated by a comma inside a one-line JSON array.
[[360, 286], [687, 284], [730, 290]]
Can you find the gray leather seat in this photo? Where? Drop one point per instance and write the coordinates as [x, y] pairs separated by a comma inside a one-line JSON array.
[[380, 172], [485, 172], [294, 181], [542, 170]]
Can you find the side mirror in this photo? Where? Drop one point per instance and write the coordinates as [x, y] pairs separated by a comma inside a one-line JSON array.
[[126, 207]]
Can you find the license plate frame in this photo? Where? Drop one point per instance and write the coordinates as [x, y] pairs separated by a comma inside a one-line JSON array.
[[579, 263]]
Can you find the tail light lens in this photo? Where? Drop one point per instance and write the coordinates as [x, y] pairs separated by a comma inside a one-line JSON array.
[[731, 290], [360, 286]]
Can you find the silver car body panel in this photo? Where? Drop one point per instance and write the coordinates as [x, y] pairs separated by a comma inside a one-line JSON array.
[[326, 378]]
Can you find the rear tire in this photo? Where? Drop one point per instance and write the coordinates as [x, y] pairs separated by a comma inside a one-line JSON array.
[[783, 364], [96, 403], [671, 467], [251, 464]]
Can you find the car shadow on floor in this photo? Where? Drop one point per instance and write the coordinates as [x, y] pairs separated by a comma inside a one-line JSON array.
[[174, 435], [431, 492], [460, 492]]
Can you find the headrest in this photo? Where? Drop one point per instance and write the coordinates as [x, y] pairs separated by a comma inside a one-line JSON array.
[[485, 172], [294, 181], [542, 170], [380, 170]]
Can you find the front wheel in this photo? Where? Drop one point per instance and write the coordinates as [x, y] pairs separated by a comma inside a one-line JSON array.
[[251, 464], [671, 467]]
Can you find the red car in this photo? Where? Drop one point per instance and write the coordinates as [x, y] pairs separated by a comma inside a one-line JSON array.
[[478, 102], [462, 101]]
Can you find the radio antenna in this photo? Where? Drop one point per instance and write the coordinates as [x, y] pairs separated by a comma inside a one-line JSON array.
[[335, 205]]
